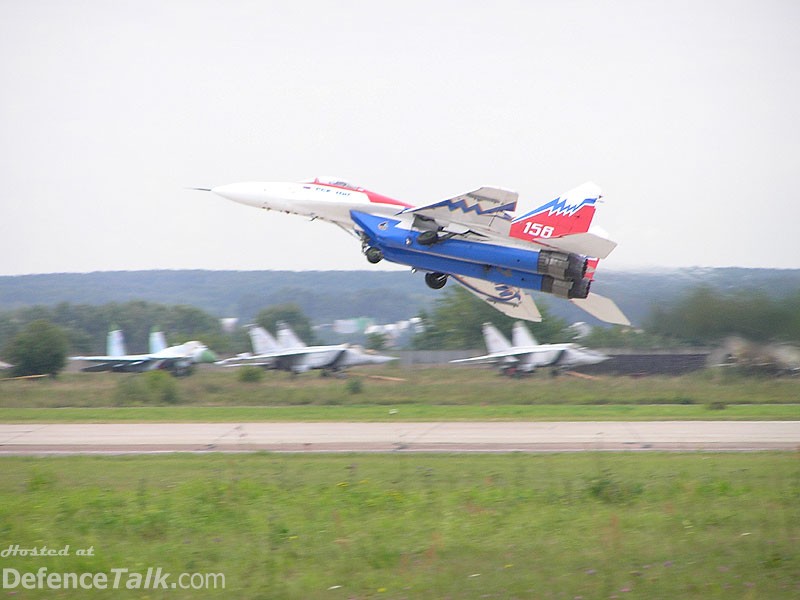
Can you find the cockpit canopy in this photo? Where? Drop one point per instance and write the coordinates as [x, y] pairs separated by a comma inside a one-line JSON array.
[[338, 182]]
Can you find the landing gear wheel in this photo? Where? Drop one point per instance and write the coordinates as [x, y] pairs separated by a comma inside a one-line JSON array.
[[427, 238], [436, 281], [374, 255]]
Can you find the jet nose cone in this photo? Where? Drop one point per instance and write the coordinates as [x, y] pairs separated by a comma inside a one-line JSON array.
[[244, 193], [207, 356], [597, 357]]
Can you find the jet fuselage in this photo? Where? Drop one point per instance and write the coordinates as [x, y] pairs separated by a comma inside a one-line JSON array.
[[328, 201], [473, 237]]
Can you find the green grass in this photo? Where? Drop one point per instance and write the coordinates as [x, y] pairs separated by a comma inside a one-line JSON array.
[[405, 412], [421, 394], [421, 526]]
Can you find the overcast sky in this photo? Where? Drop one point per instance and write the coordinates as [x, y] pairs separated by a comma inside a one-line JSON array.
[[684, 112]]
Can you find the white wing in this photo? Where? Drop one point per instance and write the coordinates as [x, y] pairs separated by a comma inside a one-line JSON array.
[[485, 210], [509, 300]]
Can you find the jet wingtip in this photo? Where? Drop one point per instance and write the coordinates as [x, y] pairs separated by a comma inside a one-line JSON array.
[[602, 308]]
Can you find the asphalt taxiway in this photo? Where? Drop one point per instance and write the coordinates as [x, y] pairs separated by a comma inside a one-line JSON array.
[[464, 436]]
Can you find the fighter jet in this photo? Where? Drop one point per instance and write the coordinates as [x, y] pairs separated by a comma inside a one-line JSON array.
[[472, 238], [178, 360], [290, 353], [524, 354]]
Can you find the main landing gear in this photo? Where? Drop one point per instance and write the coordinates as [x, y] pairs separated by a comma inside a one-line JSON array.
[[436, 281], [428, 238]]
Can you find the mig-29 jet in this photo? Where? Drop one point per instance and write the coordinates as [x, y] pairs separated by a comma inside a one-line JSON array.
[[290, 353], [524, 354], [473, 238], [178, 360]]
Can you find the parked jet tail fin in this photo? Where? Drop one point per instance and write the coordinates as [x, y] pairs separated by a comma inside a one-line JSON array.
[[569, 214], [495, 341], [521, 336], [288, 338], [262, 341], [601, 308], [157, 341], [115, 343]]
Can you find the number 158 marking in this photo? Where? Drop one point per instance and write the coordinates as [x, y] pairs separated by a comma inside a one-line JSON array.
[[538, 230]]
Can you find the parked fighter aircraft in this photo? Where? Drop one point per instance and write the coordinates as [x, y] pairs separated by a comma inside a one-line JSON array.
[[178, 360], [290, 353], [524, 354], [472, 238]]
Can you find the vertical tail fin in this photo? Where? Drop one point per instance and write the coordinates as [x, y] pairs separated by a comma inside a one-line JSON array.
[[157, 341], [495, 341], [263, 342], [288, 338], [521, 336], [591, 267], [115, 343], [570, 213]]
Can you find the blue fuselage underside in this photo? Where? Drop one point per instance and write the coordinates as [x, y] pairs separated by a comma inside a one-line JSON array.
[[498, 264]]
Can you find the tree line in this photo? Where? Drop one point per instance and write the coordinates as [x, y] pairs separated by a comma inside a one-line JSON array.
[[37, 339], [706, 315], [703, 316], [86, 326]]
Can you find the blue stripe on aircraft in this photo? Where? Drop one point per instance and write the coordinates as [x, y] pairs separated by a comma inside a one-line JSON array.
[[441, 264], [465, 207], [505, 294], [499, 264], [559, 206]]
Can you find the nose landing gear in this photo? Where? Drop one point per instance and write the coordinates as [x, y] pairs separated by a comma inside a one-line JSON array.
[[374, 255]]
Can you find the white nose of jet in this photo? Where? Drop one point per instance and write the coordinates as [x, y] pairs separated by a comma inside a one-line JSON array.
[[251, 194]]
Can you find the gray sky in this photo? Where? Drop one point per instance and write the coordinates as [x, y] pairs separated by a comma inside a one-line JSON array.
[[685, 113]]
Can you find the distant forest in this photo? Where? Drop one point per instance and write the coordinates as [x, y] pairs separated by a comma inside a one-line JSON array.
[[323, 295], [686, 306], [385, 296]]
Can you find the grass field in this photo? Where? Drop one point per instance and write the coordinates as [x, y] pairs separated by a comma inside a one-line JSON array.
[[405, 412], [422, 526], [410, 394]]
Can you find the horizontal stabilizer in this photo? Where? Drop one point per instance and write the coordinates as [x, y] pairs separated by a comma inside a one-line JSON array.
[[588, 244], [507, 299], [98, 368], [285, 353], [488, 358], [127, 359], [512, 355], [601, 308], [243, 362]]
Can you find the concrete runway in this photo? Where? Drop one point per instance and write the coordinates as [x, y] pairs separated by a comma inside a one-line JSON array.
[[401, 436]]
